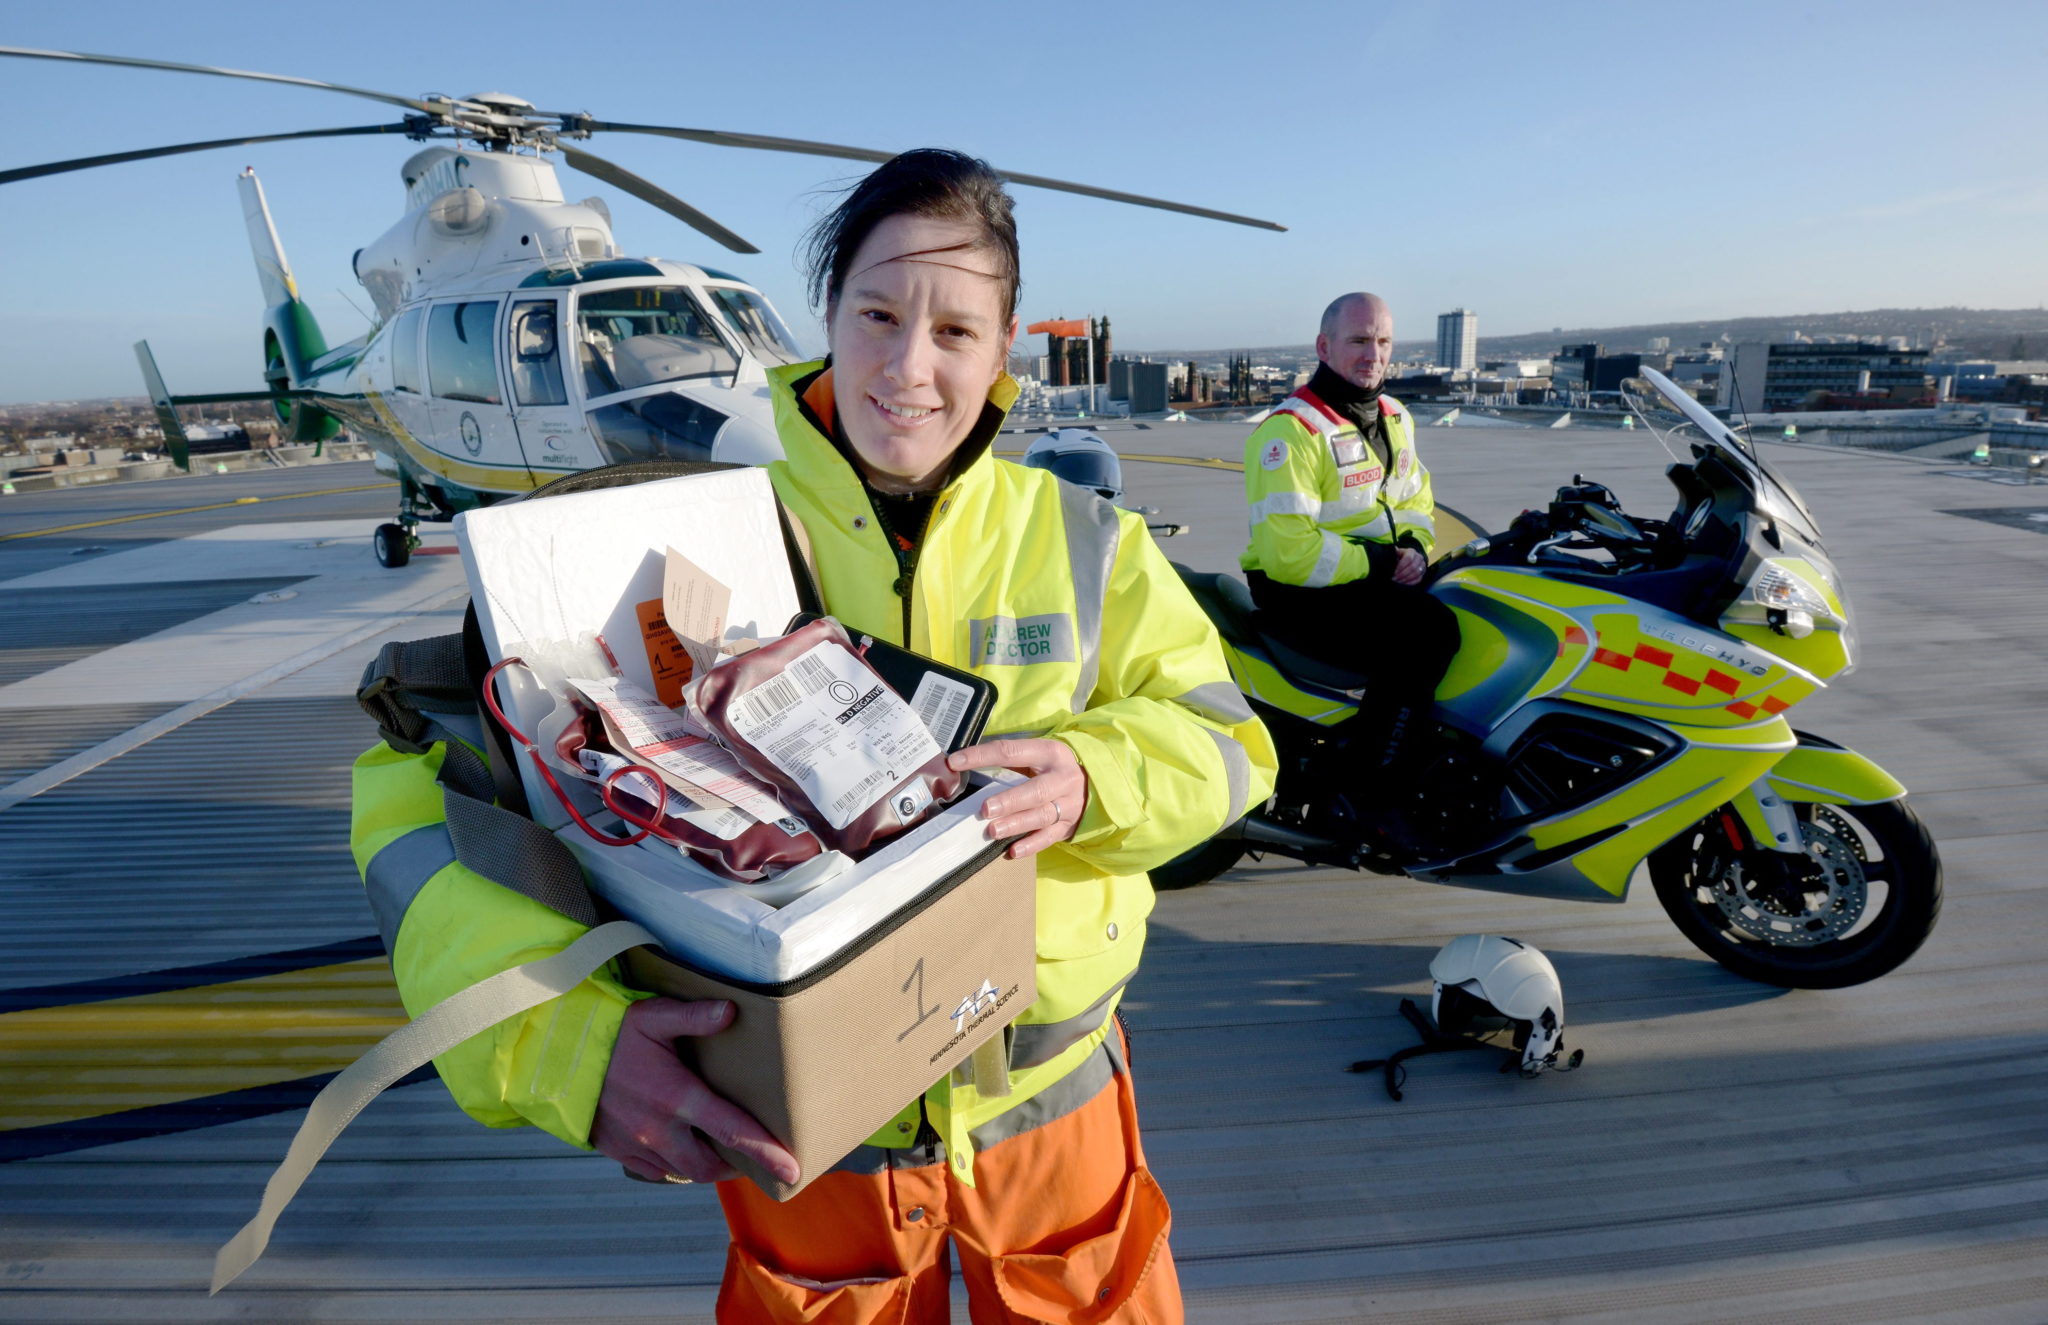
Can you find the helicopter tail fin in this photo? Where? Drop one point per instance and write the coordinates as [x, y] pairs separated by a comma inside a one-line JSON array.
[[272, 270], [291, 337], [166, 417]]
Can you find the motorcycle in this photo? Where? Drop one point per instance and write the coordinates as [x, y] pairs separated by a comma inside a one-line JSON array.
[[1620, 696]]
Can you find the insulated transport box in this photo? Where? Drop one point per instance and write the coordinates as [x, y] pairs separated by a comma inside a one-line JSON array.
[[821, 1051], [826, 1059]]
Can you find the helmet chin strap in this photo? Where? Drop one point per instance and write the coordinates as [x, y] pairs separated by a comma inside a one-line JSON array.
[[1434, 1041]]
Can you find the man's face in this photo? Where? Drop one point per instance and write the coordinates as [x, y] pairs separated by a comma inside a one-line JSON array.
[[1361, 344]]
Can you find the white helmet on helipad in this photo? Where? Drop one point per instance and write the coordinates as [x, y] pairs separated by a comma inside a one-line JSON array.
[[1080, 457], [1487, 983]]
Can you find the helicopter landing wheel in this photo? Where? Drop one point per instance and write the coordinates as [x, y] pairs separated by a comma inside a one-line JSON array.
[[394, 545]]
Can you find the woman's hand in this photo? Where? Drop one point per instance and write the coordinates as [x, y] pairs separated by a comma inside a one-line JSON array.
[[652, 1107], [1039, 812]]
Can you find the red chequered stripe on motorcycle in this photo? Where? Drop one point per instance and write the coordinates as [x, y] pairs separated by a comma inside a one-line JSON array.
[[1683, 684], [1618, 661], [1771, 705], [1721, 681], [1654, 656], [1572, 635]]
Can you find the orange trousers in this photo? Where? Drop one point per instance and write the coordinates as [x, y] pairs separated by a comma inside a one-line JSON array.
[[1064, 1223]]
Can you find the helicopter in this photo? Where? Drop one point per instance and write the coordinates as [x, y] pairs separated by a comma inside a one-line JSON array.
[[513, 341]]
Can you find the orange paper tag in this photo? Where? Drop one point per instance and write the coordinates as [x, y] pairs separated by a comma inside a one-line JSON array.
[[667, 659]]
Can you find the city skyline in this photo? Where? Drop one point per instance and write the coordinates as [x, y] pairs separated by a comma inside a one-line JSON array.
[[1662, 170]]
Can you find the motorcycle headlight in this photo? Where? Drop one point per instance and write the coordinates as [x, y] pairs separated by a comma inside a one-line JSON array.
[[1776, 589]]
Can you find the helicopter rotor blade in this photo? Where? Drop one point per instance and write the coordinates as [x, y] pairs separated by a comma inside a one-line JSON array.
[[116, 158], [27, 53], [804, 147], [627, 182]]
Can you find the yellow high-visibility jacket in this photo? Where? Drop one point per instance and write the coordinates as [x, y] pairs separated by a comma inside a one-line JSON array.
[[1043, 588], [1316, 489]]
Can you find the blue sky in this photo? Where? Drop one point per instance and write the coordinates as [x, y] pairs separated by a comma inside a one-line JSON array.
[[1555, 165]]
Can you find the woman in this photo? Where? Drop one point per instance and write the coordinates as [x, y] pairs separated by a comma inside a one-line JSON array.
[[1136, 745]]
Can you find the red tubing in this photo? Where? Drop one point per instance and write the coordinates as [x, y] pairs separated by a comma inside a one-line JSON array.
[[547, 774]]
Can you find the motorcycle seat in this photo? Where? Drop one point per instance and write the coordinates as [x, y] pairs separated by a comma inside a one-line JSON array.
[[1228, 603]]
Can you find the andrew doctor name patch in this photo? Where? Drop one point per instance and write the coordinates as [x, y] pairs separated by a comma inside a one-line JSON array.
[[1012, 641]]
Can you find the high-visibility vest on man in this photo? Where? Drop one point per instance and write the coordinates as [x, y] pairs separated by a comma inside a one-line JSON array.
[[1319, 492]]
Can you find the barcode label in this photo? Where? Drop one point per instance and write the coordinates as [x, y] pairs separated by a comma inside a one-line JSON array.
[[862, 794], [812, 672], [769, 699], [941, 703], [835, 729]]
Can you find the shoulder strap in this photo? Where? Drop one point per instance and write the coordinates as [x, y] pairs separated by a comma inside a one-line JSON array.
[[423, 692]]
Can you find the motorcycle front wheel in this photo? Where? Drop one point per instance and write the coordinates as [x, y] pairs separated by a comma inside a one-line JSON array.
[[1861, 900]]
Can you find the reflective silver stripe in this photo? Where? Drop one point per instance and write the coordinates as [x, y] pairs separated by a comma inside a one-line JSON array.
[[1310, 416], [1092, 533], [1088, 1079], [396, 874], [1032, 1045], [1218, 701], [1351, 502], [1326, 562], [1285, 503], [465, 727], [869, 1160], [1415, 520], [1237, 767], [1377, 527]]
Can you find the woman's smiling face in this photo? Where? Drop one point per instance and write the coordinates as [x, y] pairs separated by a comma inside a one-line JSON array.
[[919, 334]]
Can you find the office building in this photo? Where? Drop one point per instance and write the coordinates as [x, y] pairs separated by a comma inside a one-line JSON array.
[[1457, 340], [1808, 375], [1148, 388]]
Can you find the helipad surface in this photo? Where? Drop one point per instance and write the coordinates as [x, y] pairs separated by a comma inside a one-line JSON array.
[[187, 955]]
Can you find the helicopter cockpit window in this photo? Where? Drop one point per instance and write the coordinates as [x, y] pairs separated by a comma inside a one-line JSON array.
[[536, 357], [405, 355], [754, 319], [460, 361], [644, 335]]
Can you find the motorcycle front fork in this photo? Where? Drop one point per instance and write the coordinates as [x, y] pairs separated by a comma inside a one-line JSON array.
[[1779, 826]]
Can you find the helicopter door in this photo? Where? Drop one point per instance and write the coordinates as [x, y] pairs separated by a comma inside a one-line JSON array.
[[550, 431], [472, 425]]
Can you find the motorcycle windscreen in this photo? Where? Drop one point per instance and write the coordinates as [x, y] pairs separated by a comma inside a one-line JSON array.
[[1775, 497]]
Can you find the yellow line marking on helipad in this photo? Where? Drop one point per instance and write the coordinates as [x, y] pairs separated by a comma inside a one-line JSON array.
[[63, 1064], [188, 510]]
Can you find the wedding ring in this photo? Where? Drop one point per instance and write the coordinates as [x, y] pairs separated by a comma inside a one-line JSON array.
[[1056, 815]]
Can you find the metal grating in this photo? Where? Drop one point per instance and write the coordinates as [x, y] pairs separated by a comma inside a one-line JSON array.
[[33, 739], [49, 627], [225, 837]]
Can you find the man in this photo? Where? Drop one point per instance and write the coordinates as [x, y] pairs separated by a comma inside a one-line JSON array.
[[1341, 530]]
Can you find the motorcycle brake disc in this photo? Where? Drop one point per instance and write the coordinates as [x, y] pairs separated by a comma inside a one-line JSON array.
[[1817, 909]]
